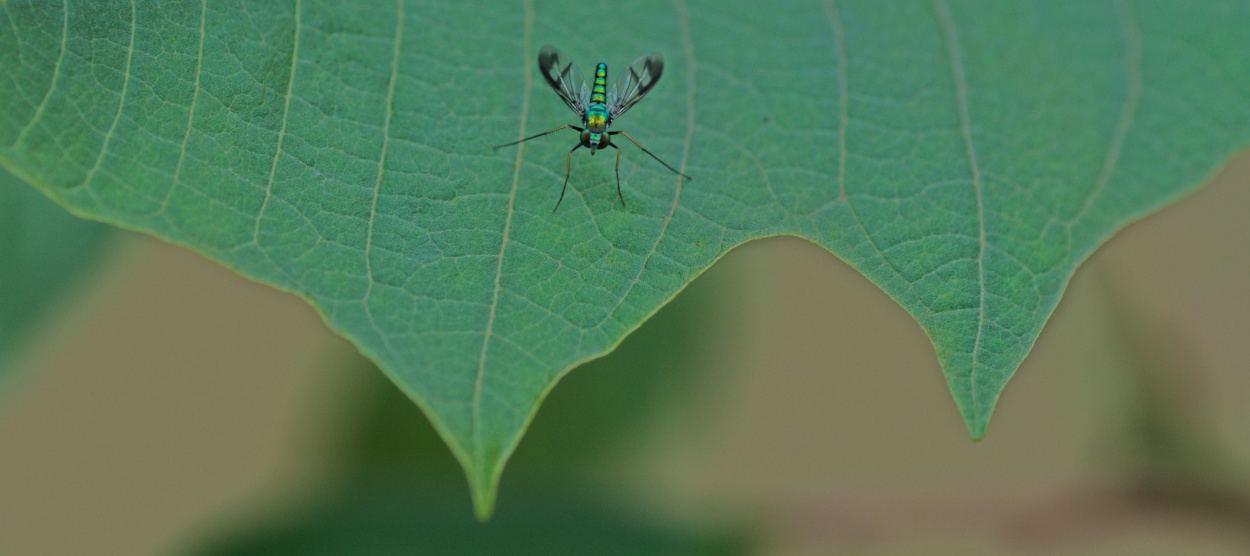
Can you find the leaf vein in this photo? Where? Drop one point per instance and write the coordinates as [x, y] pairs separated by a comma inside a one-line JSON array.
[[476, 404], [1132, 75], [839, 40], [377, 181], [286, 111], [56, 76], [195, 97], [947, 25], [121, 103], [691, 70]]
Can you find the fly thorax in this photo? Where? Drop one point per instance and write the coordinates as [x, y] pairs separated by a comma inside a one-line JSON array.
[[597, 119]]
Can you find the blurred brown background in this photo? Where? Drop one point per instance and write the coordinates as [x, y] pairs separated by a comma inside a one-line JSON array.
[[172, 399]]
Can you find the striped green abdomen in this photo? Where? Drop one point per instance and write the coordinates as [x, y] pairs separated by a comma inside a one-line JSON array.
[[597, 112], [599, 93]]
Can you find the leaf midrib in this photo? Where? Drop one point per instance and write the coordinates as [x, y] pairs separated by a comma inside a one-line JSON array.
[[475, 404], [951, 35]]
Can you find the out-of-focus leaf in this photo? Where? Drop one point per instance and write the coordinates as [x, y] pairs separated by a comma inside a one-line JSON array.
[[383, 519], [43, 253]]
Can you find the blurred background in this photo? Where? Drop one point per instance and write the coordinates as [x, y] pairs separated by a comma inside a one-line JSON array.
[[780, 405]]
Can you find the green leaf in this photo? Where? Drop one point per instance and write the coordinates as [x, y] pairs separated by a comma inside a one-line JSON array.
[[43, 253], [965, 156]]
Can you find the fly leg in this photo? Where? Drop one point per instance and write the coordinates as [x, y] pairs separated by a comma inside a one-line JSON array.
[[548, 132], [568, 168], [649, 153], [618, 173]]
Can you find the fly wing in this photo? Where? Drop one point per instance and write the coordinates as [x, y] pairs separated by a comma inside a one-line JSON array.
[[565, 78], [637, 81]]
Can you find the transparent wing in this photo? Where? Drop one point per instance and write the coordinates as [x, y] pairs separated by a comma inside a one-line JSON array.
[[565, 78], [636, 82]]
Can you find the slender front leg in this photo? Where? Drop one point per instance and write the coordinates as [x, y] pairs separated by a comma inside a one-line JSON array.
[[618, 173], [644, 149], [548, 132], [568, 169]]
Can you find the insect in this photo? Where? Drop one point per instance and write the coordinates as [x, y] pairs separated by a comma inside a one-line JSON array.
[[598, 107]]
